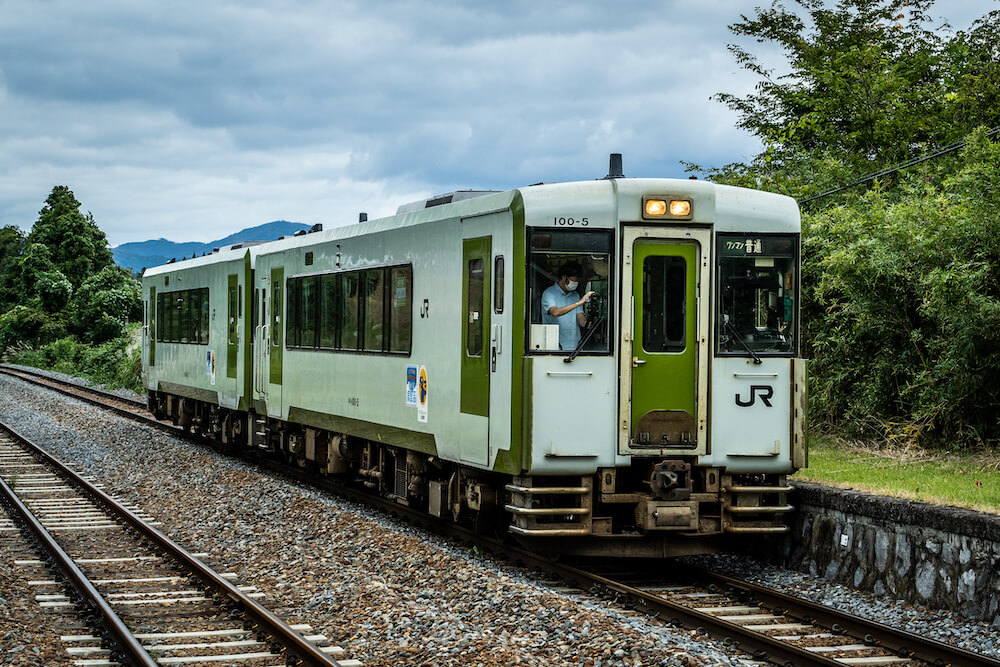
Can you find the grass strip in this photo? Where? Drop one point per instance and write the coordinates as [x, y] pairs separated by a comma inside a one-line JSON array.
[[970, 480]]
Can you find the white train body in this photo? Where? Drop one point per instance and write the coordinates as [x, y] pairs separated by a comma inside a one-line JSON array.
[[411, 353]]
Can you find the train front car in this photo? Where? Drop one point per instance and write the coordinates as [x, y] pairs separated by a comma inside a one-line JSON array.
[[667, 415]]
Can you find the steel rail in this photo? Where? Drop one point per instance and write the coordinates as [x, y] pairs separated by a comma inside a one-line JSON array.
[[19, 372], [901, 642], [775, 651], [126, 642], [266, 621], [80, 392], [759, 645]]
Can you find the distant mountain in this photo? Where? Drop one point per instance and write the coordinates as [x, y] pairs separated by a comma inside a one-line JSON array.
[[143, 254]]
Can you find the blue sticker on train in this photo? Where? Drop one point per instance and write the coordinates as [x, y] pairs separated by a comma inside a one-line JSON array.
[[411, 386]]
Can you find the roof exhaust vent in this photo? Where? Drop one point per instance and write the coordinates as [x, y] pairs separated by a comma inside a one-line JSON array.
[[362, 217], [318, 227], [615, 166]]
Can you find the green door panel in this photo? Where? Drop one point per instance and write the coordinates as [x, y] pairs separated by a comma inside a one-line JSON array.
[[476, 307], [247, 330], [232, 324], [665, 348], [277, 321], [152, 326]]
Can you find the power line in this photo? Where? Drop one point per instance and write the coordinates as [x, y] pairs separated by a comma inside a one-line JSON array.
[[892, 170]]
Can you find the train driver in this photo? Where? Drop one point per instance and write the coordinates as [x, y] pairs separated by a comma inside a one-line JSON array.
[[562, 305]]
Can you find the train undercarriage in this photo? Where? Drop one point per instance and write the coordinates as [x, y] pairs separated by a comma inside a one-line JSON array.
[[655, 508]]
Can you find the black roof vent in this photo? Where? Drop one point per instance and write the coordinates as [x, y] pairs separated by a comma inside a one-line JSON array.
[[449, 198], [615, 166], [318, 227], [438, 201], [362, 217]]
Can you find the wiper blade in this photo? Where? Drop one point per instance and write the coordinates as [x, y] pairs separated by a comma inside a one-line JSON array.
[[583, 341], [739, 337]]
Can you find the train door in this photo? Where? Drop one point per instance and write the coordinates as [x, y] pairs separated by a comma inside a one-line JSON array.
[[149, 330], [474, 413], [232, 325], [276, 340], [261, 346], [664, 370]]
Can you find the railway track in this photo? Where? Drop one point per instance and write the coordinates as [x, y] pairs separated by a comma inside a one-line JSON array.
[[121, 592], [767, 625], [771, 626]]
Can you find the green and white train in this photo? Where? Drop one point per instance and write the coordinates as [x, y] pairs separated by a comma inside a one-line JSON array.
[[410, 354]]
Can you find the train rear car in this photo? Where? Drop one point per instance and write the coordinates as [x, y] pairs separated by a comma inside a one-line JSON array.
[[195, 355]]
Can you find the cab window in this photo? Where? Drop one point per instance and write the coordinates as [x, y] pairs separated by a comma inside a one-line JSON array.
[[552, 253], [758, 294]]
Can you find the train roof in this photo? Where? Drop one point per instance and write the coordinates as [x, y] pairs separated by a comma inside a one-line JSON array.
[[235, 252], [726, 208]]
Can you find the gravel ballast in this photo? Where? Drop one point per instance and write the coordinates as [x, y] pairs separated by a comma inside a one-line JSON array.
[[388, 593]]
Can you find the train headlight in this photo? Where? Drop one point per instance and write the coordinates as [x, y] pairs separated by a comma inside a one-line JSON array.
[[680, 208], [667, 208], [655, 208]]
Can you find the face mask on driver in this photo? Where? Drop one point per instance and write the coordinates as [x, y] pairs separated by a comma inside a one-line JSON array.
[[572, 285]]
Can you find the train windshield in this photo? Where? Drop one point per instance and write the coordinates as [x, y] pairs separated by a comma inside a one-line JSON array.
[[758, 295], [565, 267]]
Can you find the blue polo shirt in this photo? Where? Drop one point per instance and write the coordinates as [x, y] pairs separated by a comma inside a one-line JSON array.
[[569, 330]]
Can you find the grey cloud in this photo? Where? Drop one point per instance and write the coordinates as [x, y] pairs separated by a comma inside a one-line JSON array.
[[168, 118]]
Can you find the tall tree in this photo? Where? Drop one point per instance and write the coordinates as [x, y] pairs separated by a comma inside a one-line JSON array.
[[900, 284], [864, 84], [77, 246], [12, 246]]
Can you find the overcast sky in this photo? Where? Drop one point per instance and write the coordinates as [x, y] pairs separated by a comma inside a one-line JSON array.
[[193, 120]]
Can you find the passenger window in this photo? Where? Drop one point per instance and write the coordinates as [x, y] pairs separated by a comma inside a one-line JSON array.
[[232, 315], [664, 304], [474, 308], [401, 313], [368, 310], [276, 314], [293, 321], [161, 329], [175, 317], [374, 305], [349, 314], [185, 309], [205, 309], [193, 316], [328, 311], [307, 312], [498, 285]]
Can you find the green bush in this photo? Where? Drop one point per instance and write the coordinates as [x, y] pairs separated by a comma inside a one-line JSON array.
[[105, 303], [114, 363], [21, 324], [902, 301]]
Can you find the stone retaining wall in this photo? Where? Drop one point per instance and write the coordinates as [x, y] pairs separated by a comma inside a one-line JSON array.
[[943, 557]]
